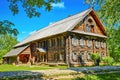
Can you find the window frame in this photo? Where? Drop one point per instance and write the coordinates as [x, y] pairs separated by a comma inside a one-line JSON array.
[[74, 56], [89, 43], [82, 41], [74, 41]]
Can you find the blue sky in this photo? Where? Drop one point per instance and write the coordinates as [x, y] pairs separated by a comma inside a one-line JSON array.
[[27, 26]]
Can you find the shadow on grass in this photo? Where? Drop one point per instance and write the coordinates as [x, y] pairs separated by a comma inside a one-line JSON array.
[[21, 75]]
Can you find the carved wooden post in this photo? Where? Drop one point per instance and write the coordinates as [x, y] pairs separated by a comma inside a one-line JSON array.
[[68, 50], [18, 60]]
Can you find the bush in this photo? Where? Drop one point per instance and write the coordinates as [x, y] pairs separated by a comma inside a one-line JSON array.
[[94, 57], [107, 60]]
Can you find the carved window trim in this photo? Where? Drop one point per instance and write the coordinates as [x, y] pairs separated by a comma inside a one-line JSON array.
[[103, 44], [90, 25], [88, 29], [97, 44], [82, 42], [74, 56], [103, 54], [89, 42], [89, 56], [82, 55], [74, 41]]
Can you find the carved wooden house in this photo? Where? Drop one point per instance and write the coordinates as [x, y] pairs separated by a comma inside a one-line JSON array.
[[68, 41]]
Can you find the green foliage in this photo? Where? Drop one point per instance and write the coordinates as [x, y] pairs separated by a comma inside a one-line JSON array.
[[114, 38], [95, 56], [6, 44], [6, 28], [107, 60], [30, 6]]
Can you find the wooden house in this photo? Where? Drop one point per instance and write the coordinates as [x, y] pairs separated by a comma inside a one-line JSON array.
[[69, 41]]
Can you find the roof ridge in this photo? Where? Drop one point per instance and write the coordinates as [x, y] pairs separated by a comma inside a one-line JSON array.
[[60, 21]]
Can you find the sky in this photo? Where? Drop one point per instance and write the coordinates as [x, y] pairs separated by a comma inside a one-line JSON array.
[[26, 26]]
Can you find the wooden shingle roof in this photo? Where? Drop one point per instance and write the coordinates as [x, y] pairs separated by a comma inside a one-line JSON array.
[[61, 26], [15, 51]]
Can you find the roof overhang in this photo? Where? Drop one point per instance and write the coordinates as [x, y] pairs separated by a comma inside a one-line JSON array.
[[89, 34]]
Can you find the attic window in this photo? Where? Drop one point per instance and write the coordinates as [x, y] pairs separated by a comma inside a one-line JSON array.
[[88, 28], [90, 20], [90, 24]]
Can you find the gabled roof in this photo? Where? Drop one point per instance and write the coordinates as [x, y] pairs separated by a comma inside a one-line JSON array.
[[61, 26], [15, 51]]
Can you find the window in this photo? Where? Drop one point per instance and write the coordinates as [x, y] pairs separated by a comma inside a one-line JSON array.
[[88, 28], [97, 44], [90, 20], [50, 43], [40, 44], [62, 41], [74, 56], [104, 44], [81, 56], [89, 43], [62, 56], [82, 42], [74, 41], [88, 56], [103, 54], [56, 56]]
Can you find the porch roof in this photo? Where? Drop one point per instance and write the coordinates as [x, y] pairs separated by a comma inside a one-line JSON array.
[[41, 50], [15, 51]]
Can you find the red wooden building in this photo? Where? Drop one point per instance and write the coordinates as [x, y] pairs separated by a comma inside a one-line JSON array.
[[68, 41]]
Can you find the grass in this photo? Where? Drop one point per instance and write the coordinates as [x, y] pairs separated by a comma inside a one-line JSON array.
[[107, 76], [8, 67]]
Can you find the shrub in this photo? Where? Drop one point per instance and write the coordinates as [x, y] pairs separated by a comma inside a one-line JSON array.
[[107, 60], [94, 57]]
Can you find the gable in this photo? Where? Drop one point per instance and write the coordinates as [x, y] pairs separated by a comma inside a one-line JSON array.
[[90, 23]]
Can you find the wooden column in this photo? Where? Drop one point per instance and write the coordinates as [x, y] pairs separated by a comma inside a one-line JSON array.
[[68, 50], [18, 59]]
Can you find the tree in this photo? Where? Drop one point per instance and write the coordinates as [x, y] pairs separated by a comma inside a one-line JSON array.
[[7, 37], [93, 3], [6, 28], [6, 44], [30, 6], [114, 48]]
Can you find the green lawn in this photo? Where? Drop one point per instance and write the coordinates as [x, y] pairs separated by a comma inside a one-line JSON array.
[[7, 67], [106, 76]]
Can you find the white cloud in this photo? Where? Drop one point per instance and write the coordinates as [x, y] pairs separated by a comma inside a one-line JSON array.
[[58, 5], [32, 32]]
